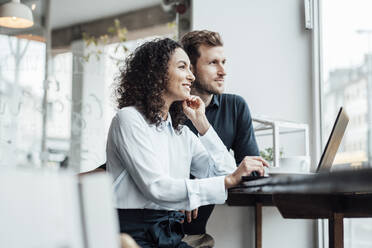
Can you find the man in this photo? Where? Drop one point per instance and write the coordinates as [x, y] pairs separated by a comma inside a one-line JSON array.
[[228, 114]]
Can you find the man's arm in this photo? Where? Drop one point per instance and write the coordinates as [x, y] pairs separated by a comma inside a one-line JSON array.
[[245, 143]]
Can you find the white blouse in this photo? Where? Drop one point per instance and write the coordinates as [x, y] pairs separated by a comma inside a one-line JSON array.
[[151, 165]]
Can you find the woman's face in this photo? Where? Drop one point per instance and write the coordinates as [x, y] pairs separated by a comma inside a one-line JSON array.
[[180, 77]]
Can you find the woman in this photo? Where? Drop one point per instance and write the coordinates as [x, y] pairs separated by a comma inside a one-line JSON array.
[[150, 154]]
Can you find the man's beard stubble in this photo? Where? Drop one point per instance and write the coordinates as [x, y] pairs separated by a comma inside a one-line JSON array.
[[202, 89]]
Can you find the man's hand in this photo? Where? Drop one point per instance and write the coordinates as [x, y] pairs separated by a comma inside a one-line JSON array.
[[194, 109], [190, 215], [246, 167]]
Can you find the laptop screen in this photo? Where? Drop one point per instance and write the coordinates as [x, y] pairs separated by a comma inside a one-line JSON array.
[[334, 141]]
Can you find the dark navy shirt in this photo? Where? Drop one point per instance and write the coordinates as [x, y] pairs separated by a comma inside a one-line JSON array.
[[230, 117]]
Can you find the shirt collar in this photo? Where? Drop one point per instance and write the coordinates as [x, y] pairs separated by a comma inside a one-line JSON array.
[[164, 124], [215, 101], [168, 123]]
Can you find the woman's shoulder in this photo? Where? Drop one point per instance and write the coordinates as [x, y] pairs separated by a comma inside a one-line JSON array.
[[129, 113], [129, 110]]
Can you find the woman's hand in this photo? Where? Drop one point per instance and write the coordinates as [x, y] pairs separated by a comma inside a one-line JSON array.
[[190, 215], [194, 109], [245, 168]]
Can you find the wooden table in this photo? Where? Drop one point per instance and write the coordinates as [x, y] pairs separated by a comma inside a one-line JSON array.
[[332, 196]]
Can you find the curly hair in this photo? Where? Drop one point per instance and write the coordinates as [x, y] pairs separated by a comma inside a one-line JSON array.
[[144, 78], [191, 42]]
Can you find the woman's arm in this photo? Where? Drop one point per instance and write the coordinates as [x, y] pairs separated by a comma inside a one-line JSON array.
[[210, 156]]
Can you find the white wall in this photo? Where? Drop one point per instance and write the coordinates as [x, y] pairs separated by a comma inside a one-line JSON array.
[[269, 63]]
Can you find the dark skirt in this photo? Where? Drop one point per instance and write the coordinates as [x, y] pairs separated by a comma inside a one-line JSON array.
[[153, 228]]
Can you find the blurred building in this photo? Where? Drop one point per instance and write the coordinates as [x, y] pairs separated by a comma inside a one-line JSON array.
[[348, 87]]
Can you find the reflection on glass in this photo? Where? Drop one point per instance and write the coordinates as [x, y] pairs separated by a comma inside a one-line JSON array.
[[98, 103], [59, 110], [347, 69], [22, 67], [21, 92]]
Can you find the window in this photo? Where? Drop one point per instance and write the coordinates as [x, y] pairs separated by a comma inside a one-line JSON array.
[[347, 81], [346, 76]]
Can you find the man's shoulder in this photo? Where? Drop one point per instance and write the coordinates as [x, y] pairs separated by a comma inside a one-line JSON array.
[[236, 102], [232, 98]]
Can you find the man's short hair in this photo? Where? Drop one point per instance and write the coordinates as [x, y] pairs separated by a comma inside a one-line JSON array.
[[191, 42]]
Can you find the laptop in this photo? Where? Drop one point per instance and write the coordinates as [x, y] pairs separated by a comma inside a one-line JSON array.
[[330, 150], [334, 141]]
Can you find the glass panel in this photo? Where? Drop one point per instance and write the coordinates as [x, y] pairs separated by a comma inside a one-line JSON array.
[[99, 104], [21, 92], [59, 110], [347, 62]]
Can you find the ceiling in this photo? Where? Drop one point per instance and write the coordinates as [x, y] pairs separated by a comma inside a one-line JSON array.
[[68, 12]]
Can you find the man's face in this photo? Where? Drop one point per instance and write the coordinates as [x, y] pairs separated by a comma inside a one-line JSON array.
[[210, 70]]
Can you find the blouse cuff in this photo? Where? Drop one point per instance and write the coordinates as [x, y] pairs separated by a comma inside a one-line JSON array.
[[206, 191]]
